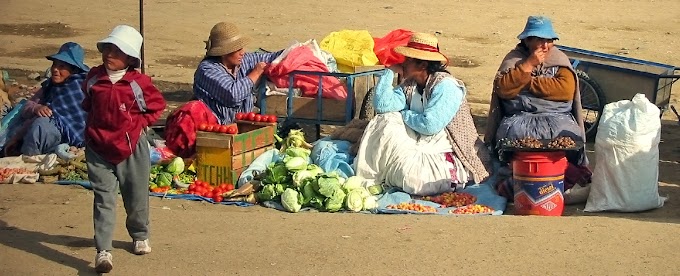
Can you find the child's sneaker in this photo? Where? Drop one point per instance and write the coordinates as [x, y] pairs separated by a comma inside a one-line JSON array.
[[103, 263], [141, 247]]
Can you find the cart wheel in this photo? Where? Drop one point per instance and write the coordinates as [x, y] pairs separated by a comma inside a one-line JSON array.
[[367, 111], [592, 102]]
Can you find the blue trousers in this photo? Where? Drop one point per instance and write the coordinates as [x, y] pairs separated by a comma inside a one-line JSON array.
[[42, 137]]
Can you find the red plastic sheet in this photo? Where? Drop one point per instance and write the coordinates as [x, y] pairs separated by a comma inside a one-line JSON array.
[[384, 46]]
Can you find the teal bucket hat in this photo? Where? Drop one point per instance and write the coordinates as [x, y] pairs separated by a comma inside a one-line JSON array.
[[538, 26], [72, 54]]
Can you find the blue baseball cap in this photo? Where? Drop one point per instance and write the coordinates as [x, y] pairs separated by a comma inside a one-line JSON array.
[[72, 54], [538, 26]]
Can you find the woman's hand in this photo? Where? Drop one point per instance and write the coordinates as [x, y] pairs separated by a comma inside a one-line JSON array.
[[43, 111], [397, 68], [257, 71], [534, 60]]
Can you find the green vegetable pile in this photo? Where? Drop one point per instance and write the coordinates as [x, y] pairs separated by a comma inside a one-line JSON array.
[[296, 183], [171, 174]]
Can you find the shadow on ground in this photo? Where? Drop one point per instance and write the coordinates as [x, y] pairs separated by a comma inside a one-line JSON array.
[[33, 242]]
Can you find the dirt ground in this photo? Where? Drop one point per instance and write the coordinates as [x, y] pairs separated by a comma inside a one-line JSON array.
[[47, 229]]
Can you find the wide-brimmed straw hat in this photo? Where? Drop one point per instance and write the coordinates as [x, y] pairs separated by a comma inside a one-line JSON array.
[[538, 26], [422, 46], [71, 53], [224, 39]]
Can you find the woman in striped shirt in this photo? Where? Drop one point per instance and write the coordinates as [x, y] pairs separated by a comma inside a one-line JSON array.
[[223, 86], [225, 78]]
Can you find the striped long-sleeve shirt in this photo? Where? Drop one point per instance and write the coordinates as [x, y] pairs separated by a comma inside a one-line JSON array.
[[224, 93]]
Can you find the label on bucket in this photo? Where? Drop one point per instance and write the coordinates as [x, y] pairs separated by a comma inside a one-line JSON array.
[[539, 195]]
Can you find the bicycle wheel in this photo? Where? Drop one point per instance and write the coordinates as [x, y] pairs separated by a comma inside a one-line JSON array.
[[592, 102]]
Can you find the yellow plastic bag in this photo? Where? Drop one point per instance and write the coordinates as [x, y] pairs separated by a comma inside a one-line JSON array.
[[350, 48]]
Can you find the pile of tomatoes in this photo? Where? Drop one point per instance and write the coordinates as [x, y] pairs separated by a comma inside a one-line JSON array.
[[253, 117], [228, 129], [472, 209], [452, 199], [413, 207], [204, 189], [5, 173], [160, 190]]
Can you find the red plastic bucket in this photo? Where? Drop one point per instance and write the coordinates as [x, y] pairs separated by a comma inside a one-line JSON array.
[[538, 182]]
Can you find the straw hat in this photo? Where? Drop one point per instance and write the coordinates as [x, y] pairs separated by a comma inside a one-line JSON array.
[[225, 38], [422, 46]]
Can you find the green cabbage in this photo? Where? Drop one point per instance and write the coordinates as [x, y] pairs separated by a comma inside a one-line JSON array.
[[335, 201], [328, 183], [354, 201], [370, 203], [352, 183], [163, 179], [267, 193], [296, 164], [317, 202], [176, 166], [300, 177], [375, 189], [298, 152], [328, 186], [279, 188], [308, 193], [290, 201], [276, 173], [314, 169]]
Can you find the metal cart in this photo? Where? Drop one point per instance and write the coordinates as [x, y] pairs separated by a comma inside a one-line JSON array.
[[606, 78]]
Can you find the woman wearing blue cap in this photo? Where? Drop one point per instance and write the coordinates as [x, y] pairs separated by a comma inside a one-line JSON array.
[[54, 115], [536, 93]]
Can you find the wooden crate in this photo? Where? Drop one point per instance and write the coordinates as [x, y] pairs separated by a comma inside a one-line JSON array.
[[220, 158], [305, 108]]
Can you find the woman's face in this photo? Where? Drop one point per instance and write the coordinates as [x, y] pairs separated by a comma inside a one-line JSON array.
[[60, 71], [537, 43], [232, 59], [114, 59], [413, 67]]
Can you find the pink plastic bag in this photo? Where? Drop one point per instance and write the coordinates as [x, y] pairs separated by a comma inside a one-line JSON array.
[[302, 58], [384, 47]]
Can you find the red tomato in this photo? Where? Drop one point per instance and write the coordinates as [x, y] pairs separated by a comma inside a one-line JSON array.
[[210, 128], [202, 126], [230, 187], [192, 187], [232, 130], [217, 198], [272, 118], [223, 187], [224, 129], [251, 116], [239, 116]]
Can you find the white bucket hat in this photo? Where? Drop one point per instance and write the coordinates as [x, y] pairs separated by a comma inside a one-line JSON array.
[[127, 39]]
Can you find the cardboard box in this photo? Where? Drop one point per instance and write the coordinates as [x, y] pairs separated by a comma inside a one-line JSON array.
[[220, 158]]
